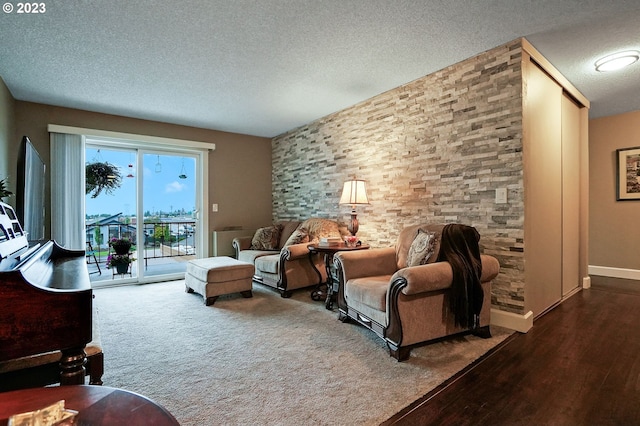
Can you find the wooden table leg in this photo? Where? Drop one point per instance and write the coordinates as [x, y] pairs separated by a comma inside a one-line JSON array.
[[72, 362]]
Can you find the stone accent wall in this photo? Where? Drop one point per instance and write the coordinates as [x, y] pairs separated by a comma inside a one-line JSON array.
[[432, 151]]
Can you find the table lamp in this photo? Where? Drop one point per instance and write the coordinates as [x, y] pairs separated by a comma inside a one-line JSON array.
[[354, 193]]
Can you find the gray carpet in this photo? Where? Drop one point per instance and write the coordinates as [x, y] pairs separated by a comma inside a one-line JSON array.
[[264, 360]]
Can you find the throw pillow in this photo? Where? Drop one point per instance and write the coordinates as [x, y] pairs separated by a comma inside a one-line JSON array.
[[299, 236], [266, 238], [421, 248]]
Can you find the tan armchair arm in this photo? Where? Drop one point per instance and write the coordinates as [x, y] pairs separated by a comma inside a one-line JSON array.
[[438, 276], [490, 268], [241, 243], [425, 278], [366, 263], [294, 251]]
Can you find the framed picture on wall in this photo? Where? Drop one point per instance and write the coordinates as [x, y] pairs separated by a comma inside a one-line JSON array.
[[628, 176]]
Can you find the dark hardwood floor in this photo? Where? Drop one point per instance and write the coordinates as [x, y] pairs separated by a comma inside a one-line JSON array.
[[578, 365]]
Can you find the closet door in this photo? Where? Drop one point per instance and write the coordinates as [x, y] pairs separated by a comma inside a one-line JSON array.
[[570, 195], [542, 153]]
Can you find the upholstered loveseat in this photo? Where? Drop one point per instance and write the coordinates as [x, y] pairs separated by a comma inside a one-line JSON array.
[[403, 297], [280, 255]]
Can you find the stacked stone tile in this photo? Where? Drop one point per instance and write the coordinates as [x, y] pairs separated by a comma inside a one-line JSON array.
[[433, 150]]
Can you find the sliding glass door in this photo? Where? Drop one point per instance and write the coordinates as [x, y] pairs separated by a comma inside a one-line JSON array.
[[147, 197], [169, 213], [110, 209]]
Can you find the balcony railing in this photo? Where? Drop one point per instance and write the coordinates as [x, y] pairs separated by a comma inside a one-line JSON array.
[[161, 240], [169, 239]]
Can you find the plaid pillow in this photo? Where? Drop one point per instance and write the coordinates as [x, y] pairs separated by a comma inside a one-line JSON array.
[[266, 238], [421, 248], [299, 236]]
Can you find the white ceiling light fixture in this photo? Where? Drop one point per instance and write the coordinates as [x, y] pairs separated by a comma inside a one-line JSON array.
[[617, 60]]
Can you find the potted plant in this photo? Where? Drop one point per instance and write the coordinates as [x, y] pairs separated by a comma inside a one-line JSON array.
[[120, 262], [4, 192], [100, 177], [121, 245]]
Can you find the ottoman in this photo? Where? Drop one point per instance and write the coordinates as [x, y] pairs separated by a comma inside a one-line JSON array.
[[214, 276]]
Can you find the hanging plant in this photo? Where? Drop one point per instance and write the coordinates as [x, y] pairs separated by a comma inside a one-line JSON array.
[[183, 173], [102, 177]]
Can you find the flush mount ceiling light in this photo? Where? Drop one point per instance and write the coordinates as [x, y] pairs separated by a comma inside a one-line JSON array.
[[617, 60]]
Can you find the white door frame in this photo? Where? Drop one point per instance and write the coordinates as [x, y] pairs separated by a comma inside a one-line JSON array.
[[145, 143]]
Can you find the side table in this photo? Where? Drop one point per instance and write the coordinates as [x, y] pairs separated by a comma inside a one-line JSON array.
[[331, 283], [96, 405]]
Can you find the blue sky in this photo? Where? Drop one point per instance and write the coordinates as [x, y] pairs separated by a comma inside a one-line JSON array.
[[163, 189]]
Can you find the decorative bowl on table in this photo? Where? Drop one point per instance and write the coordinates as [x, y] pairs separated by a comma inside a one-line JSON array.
[[350, 240]]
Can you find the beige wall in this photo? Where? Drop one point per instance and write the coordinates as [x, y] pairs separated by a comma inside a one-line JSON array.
[[7, 158], [614, 233], [239, 168]]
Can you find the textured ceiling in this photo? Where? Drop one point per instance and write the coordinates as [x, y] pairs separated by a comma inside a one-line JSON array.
[[263, 67]]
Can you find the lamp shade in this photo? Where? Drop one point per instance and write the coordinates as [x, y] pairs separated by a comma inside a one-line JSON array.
[[354, 192]]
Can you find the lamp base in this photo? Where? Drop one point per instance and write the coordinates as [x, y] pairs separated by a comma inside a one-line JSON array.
[[354, 225]]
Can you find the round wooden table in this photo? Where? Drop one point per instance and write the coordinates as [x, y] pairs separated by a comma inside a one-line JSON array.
[[331, 285], [96, 405]]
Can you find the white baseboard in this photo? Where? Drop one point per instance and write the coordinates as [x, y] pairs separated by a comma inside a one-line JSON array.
[[523, 323], [517, 322], [606, 271]]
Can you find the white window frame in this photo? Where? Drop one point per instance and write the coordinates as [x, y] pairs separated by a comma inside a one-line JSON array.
[[154, 143]]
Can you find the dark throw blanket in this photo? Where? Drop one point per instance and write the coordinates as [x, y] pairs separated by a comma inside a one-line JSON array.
[[459, 247]]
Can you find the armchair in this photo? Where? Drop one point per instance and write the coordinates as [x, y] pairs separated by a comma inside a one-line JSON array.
[[286, 265], [403, 294]]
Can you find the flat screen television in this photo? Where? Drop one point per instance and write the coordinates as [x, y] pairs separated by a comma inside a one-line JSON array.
[[30, 200]]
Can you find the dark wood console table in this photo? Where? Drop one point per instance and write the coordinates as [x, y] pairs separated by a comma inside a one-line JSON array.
[[331, 284], [96, 405]]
